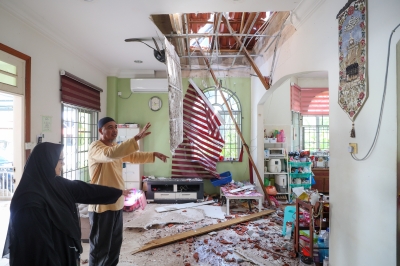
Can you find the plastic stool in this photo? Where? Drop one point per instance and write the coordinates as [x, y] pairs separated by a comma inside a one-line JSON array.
[[288, 216]]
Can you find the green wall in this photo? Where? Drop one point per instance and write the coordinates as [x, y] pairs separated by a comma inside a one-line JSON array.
[[135, 109]]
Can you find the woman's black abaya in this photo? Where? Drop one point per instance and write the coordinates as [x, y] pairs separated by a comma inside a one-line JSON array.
[[44, 224]]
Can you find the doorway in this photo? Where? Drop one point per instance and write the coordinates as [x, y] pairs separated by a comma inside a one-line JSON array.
[[15, 71]]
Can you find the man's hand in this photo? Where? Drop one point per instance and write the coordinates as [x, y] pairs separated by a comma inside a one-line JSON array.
[[143, 132], [161, 156]]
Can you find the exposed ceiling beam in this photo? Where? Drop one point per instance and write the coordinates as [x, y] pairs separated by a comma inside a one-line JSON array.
[[251, 19], [163, 23], [222, 55], [241, 26], [251, 61], [197, 35], [216, 68], [215, 29], [248, 32], [187, 37], [176, 24], [206, 21], [194, 49]]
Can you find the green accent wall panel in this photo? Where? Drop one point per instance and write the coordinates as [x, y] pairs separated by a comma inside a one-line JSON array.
[[133, 108]]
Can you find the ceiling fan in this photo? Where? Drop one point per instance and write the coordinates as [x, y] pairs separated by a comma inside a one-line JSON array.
[[158, 54]]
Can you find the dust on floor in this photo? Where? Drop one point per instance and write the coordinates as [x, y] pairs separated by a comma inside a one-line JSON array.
[[258, 242]]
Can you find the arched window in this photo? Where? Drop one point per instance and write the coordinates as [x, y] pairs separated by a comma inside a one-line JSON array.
[[233, 143]]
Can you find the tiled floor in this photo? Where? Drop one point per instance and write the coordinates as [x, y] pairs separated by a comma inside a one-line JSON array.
[[265, 230]]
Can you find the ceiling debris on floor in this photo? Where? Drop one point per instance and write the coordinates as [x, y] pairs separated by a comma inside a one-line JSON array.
[[181, 206], [150, 217], [200, 231], [243, 238]]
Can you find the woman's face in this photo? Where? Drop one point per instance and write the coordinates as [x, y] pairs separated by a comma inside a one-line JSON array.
[[60, 164]]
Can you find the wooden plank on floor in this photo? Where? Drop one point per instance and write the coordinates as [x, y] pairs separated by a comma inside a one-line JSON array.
[[178, 237]]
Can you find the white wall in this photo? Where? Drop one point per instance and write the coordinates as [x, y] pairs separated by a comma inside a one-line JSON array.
[[277, 106], [362, 193], [48, 58], [311, 82]]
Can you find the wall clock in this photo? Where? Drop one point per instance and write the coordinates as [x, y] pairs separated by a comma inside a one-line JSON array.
[[155, 103]]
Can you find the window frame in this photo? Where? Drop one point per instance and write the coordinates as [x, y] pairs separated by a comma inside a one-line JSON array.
[[227, 129], [76, 136], [320, 130]]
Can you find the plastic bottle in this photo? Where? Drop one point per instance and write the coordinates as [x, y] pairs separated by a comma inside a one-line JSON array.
[[282, 134], [323, 245], [278, 137], [325, 236]]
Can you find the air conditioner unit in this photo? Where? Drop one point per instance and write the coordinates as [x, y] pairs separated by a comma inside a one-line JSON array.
[[149, 85]]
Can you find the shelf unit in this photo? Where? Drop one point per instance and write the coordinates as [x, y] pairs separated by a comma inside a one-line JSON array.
[[268, 175], [299, 178]]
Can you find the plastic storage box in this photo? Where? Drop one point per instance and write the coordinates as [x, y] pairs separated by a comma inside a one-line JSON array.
[[226, 177]]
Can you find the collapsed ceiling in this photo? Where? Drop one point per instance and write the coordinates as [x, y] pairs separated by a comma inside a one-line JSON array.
[[223, 37]]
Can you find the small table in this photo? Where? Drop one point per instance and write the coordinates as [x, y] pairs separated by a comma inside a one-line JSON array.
[[240, 195]]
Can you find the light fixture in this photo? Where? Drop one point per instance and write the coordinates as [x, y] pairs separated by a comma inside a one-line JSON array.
[[138, 61]]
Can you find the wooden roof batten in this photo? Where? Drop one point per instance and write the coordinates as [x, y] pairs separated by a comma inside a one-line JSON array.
[[247, 34], [246, 147], [264, 80]]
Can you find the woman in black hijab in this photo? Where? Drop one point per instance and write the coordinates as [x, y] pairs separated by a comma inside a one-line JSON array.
[[44, 224]]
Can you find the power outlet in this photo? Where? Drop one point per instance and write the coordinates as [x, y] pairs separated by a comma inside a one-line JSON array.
[[355, 149], [119, 93]]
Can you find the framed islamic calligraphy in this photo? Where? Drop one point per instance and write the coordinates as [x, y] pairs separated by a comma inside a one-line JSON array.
[[353, 90]]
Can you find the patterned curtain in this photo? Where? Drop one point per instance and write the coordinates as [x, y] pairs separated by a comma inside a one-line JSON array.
[[198, 154]]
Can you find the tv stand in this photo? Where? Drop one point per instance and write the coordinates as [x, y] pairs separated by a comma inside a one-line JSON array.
[[175, 190]]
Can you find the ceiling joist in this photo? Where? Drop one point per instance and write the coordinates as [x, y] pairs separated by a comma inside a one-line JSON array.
[[251, 61]]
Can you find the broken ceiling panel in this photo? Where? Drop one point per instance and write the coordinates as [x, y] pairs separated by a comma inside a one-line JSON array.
[[185, 31], [266, 46]]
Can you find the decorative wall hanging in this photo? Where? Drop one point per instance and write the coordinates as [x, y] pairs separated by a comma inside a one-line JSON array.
[[353, 90]]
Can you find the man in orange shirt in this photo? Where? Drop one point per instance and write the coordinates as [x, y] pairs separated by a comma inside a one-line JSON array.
[[105, 168]]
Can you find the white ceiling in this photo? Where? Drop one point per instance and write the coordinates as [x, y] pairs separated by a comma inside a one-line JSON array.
[[96, 30]]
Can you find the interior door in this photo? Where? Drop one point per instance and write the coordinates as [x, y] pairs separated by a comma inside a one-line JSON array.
[[12, 126]]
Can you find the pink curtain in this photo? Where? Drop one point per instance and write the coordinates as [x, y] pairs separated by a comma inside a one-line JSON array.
[[309, 101]]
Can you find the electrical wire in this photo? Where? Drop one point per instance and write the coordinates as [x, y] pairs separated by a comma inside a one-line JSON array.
[[126, 97], [382, 105]]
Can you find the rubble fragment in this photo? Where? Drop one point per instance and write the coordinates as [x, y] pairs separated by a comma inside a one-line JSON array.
[[196, 256]]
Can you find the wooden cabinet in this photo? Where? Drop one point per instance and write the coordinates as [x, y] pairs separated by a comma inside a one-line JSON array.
[[174, 190], [321, 176]]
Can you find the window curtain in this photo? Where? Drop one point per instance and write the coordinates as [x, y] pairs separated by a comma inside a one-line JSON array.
[[309, 101], [77, 92], [198, 154], [295, 98], [314, 101]]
